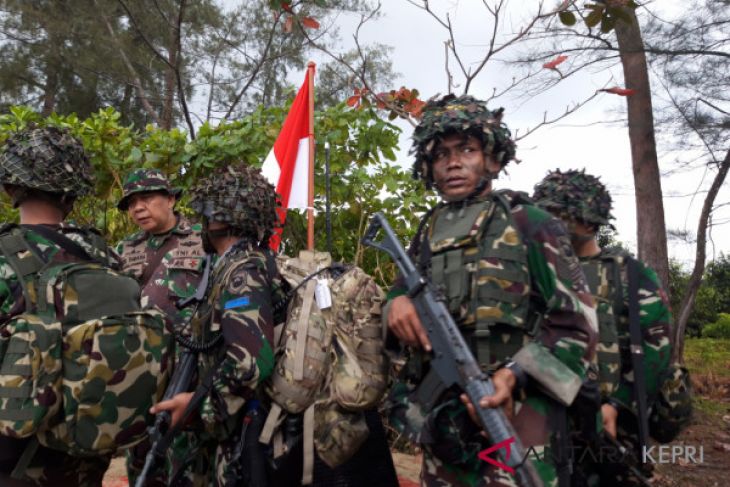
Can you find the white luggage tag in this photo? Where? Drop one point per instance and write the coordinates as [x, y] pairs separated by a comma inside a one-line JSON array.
[[322, 294]]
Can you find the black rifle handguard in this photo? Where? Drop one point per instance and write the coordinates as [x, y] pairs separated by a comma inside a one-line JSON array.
[[452, 359]]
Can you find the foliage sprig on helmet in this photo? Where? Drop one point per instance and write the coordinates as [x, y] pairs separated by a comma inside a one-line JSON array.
[[47, 159], [575, 195], [239, 196], [463, 114]]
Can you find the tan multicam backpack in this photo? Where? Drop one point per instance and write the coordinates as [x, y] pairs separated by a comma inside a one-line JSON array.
[[330, 361]]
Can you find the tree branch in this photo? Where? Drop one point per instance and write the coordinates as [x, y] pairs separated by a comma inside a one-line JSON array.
[[137, 81], [257, 67]]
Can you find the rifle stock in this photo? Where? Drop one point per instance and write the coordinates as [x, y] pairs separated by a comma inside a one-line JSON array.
[[452, 359]]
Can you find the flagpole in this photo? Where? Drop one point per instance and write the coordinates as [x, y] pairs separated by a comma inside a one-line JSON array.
[[310, 201]]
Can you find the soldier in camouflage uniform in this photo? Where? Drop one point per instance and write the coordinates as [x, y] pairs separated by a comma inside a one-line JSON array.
[[44, 171], [238, 208], [513, 285], [584, 204], [166, 257]]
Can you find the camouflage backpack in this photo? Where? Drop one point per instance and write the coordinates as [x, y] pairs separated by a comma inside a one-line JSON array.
[[670, 410], [604, 281], [330, 362], [82, 365]]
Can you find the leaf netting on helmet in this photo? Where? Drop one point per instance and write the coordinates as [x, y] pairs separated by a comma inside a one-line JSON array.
[[459, 115], [46, 159], [239, 196]]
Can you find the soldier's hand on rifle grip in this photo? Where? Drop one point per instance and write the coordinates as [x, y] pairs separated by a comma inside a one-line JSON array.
[[504, 381], [176, 406], [405, 324], [609, 415]]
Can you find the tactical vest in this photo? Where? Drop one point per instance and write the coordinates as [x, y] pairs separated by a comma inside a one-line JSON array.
[[603, 275], [475, 255]]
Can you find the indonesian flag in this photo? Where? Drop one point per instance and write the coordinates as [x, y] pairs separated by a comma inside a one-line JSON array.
[[287, 165]]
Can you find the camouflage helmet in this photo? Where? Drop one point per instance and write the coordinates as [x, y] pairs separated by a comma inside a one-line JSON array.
[[463, 114], [240, 196], [47, 159], [574, 195], [144, 180]]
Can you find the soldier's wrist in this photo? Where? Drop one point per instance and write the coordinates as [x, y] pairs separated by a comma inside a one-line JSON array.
[[519, 374]]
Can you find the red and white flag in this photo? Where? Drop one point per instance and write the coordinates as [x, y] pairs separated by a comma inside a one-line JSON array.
[[287, 165]]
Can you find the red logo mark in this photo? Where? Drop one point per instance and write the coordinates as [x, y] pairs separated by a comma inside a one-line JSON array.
[[484, 455]]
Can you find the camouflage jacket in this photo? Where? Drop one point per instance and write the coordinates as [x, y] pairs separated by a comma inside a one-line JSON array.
[[556, 289], [519, 280], [48, 466], [179, 270], [654, 317], [239, 306]]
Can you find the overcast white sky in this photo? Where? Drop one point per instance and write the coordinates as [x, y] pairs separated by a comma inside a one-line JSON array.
[[576, 142]]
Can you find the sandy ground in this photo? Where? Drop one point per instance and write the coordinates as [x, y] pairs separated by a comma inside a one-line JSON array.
[[408, 468], [710, 431]]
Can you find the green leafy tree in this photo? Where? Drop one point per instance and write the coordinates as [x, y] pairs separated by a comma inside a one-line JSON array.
[[364, 178]]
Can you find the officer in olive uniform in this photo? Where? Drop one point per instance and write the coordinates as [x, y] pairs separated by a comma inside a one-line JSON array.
[[166, 256], [513, 285]]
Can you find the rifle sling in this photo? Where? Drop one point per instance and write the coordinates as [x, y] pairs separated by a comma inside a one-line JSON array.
[[637, 351], [558, 417]]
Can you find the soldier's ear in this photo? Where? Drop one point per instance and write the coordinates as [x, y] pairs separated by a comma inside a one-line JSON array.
[[491, 165], [171, 201]]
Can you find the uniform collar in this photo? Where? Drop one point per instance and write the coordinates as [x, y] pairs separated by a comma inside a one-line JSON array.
[[182, 227]]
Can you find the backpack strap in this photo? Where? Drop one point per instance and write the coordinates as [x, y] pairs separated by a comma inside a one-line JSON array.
[[29, 452], [65, 243], [26, 267]]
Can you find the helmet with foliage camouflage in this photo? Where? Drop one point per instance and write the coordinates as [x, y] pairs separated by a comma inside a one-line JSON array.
[[462, 114], [143, 180], [574, 195], [47, 159], [238, 195]]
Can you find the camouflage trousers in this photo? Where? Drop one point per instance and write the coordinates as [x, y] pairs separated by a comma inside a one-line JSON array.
[[51, 468], [451, 441], [618, 472], [185, 461]]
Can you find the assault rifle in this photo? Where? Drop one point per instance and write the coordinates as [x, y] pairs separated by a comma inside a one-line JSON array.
[[452, 359], [628, 458], [161, 432]]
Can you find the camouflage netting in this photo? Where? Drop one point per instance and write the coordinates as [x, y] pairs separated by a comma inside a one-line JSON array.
[[239, 196], [575, 195], [452, 114], [47, 159]]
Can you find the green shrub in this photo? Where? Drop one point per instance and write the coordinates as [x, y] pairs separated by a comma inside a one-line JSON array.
[[718, 329]]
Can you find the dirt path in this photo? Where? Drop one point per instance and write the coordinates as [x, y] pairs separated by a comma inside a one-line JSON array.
[[408, 468], [709, 430]]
